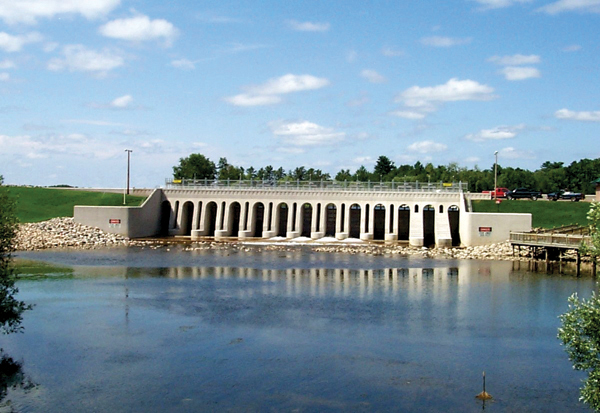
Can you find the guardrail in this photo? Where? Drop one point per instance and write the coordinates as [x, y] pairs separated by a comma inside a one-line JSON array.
[[549, 240], [319, 185]]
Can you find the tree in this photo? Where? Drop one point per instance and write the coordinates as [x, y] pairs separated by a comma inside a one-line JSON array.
[[11, 309], [383, 167], [195, 166], [580, 334]]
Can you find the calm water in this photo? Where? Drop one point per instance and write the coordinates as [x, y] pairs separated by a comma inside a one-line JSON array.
[[144, 330]]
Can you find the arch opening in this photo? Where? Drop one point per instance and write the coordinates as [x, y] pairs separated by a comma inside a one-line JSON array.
[[187, 213], [428, 226], [306, 220], [355, 213], [259, 219], [330, 219], [403, 222], [454, 220], [282, 211], [379, 222]]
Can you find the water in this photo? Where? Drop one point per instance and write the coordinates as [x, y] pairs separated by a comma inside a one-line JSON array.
[[226, 330]]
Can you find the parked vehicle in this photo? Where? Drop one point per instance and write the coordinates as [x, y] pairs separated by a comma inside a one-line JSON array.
[[521, 193], [573, 196], [498, 193]]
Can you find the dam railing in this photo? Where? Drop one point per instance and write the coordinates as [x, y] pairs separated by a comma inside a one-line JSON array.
[[329, 185]]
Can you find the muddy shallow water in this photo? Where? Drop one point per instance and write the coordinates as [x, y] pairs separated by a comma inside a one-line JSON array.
[[140, 329]]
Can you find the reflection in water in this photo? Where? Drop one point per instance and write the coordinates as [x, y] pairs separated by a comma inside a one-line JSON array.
[[11, 375], [305, 333], [319, 281]]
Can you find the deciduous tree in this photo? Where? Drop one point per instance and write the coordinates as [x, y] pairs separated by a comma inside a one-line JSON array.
[[11, 309]]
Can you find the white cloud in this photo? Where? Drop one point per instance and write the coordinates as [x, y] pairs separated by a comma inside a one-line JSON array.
[[184, 64], [454, 90], [372, 76], [7, 64], [572, 48], [253, 100], [520, 73], [28, 11], [4, 77], [580, 116], [497, 133], [139, 29], [351, 56], [79, 59], [515, 60], [512, 153], [427, 147], [592, 6], [308, 26], [269, 92], [408, 114], [498, 4], [439, 41], [122, 102], [305, 133], [392, 52], [10, 43]]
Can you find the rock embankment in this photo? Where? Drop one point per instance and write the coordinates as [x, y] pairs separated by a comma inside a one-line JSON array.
[[63, 232]]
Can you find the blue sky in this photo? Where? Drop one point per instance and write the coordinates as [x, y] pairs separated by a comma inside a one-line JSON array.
[[324, 84]]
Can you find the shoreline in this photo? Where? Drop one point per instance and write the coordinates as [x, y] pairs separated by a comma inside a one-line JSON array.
[[65, 233]]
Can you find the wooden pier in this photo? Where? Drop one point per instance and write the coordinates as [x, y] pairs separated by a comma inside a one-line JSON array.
[[551, 244]]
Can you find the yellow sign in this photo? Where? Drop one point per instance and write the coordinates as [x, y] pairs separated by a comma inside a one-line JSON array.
[[176, 181], [445, 184]]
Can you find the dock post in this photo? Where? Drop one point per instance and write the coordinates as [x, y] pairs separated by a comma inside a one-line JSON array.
[[578, 263]]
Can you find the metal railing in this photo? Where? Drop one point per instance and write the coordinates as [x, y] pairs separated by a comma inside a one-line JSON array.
[[369, 186], [545, 239]]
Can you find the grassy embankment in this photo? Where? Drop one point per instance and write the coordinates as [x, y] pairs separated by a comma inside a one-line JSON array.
[[40, 204], [545, 214]]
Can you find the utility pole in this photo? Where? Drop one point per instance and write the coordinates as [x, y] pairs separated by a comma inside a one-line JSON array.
[[496, 176], [128, 167]]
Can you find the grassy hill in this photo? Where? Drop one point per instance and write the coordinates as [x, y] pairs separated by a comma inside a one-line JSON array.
[[40, 204], [545, 214]]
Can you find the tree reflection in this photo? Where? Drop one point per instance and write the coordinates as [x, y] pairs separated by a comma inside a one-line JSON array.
[[11, 375]]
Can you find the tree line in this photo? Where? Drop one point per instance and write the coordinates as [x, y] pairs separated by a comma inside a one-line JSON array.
[[551, 176]]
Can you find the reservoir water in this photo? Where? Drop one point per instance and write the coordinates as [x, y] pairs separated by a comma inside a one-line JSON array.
[[179, 330]]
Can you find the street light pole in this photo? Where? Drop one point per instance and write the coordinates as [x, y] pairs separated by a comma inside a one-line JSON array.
[[128, 163], [496, 176]]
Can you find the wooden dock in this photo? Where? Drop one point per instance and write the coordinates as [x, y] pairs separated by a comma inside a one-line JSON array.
[[551, 244]]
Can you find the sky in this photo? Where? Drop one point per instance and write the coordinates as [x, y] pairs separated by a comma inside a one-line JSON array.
[[329, 85]]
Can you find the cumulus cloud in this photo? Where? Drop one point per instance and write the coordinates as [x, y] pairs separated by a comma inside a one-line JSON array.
[[269, 92], [29, 11], [184, 64], [392, 52], [440, 41], [579, 116], [7, 64], [77, 58], [122, 102], [499, 4], [425, 99], [512, 153], [308, 26], [497, 133], [572, 48], [427, 147], [515, 60], [10, 43], [372, 76], [305, 133], [406, 114], [139, 29], [520, 72], [589, 6]]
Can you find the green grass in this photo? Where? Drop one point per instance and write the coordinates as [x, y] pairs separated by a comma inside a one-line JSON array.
[[544, 214], [40, 204]]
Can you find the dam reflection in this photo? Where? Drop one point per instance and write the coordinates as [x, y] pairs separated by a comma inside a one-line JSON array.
[[321, 282]]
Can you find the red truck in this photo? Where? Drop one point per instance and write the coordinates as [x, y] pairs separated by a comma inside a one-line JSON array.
[[498, 193]]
